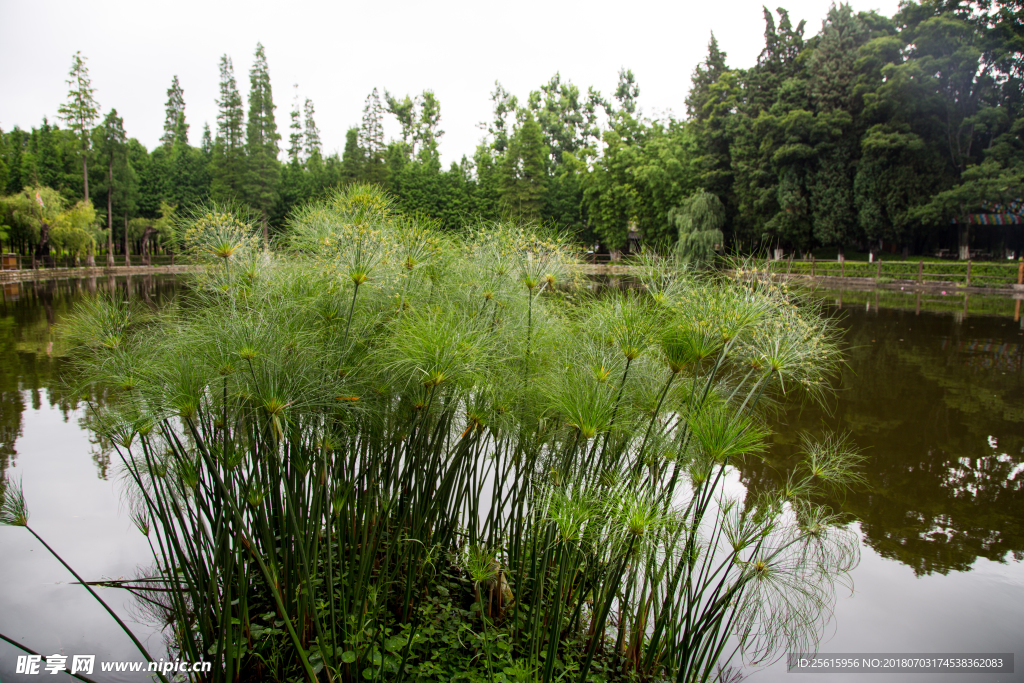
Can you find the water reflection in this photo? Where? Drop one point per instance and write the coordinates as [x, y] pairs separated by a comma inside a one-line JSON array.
[[936, 402], [32, 354]]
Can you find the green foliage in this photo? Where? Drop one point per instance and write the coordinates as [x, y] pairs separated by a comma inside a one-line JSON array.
[[387, 451], [80, 110], [522, 174], [699, 220], [227, 166], [865, 134], [263, 171], [175, 128]]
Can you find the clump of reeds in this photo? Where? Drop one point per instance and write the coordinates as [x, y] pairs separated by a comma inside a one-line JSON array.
[[386, 453]]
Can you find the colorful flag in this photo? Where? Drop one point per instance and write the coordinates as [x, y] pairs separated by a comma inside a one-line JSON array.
[[40, 200]]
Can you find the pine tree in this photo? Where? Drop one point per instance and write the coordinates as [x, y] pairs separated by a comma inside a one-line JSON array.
[[523, 170], [206, 146], [711, 105], [704, 76], [353, 159], [227, 165], [263, 172], [174, 115], [112, 148], [313, 146], [295, 128], [832, 66], [832, 75], [80, 111], [231, 116], [371, 139]]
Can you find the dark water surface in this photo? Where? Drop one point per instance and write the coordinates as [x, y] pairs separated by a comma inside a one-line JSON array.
[[935, 400], [72, 491], [933, 394]]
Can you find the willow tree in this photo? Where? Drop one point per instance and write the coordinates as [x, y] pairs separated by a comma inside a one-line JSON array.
[[699, 221]]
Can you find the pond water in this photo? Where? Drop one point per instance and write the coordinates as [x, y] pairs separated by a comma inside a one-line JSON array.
[[933, 394]]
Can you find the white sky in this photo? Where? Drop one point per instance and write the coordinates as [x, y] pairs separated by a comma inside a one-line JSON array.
[[338, 51]]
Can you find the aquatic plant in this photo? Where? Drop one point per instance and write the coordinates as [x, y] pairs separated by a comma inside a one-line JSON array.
[[475, 472]]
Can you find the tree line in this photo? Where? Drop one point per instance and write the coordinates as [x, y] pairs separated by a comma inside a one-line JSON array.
[[877, 132]]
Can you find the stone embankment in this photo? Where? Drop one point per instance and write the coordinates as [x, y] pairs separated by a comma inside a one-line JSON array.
[[849, 282], [24, 275], [936, 286]]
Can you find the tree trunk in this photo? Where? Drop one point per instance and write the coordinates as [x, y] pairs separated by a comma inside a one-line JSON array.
[[85, 174], [110, 214], [965, 242], [265, 240], [964, 228], [44, 239], [147, 251], [127, 244]]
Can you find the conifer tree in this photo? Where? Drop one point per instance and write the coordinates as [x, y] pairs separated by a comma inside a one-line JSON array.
[[206, 146], [227, 166], [174, 115], [263, 172], [523, 171], [313, 146], [371, 133], [353, 158], [80, 111], [706, 74], [371, 139], [112, 148], [832, 75], [831, 66], [295, 128], [230, 117]]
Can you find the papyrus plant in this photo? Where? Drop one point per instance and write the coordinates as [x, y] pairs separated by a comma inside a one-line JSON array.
[[325, 490]]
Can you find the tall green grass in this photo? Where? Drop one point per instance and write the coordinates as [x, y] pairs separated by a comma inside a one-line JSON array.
[[382, 452]]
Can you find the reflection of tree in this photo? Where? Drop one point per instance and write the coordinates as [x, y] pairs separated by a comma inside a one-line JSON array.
[[922, 396], [31, 360]]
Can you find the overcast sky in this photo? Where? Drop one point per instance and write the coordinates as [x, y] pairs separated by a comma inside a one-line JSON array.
[[337, 52]]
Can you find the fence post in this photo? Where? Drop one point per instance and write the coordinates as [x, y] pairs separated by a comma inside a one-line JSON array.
[[920, 271], [789, 268], [879, 268], [842, 267], [1020, 273], [812, 265], [968, 272]]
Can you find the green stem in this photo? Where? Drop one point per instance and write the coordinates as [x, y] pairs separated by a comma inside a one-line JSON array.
[[351, 309], [87, 587], [41, 657]]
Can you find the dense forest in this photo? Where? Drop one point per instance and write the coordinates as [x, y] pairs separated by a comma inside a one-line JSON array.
[[902, 133]]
